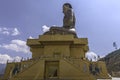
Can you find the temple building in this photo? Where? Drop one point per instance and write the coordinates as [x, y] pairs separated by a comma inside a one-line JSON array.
[[58, 54]]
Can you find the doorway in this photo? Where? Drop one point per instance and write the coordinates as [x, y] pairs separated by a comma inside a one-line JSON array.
[[51, 69]]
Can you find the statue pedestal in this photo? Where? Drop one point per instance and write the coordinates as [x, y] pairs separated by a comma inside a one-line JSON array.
[[65, 45]]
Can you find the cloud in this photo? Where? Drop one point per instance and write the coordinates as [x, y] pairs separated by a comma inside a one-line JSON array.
[[4, 58], [6, 32], [45, 28], [15, 32], [9, 31], [30, 37], [16, 45], [73, 29], [91, 56]]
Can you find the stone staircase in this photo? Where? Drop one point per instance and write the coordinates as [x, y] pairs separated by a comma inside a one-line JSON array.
[[25, 65]]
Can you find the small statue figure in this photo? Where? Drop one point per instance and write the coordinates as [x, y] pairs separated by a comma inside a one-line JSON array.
[[69, 17]]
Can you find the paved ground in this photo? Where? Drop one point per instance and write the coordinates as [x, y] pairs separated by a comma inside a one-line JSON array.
[[115, 78]]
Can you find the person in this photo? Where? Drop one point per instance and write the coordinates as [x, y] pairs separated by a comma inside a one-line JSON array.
[[69, 17]]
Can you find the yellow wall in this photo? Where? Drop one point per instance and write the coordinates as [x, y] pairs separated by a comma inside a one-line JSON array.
[[37, 52], [77, 52], [63, 50]]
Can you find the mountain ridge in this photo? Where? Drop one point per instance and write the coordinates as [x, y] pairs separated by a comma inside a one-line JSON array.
[[112, 61]]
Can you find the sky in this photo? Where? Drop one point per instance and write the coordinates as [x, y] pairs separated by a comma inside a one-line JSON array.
[[97, 20]]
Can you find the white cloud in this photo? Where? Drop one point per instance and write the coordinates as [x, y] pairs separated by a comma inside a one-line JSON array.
[[4, 28], [9, 31], [73, 29], [4, 58], [0, 29], [30, 37], [91, 56], [15, 32], [16, 45], [45, 28], [17, 58], [6, 32], [54, 25]]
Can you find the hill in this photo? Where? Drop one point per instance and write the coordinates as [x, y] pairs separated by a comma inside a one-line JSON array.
[[112, 61]]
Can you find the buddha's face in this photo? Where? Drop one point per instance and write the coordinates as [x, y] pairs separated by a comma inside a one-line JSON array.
[[65, 8]]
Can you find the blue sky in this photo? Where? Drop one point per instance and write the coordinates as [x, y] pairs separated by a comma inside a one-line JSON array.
[[98, 20]]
